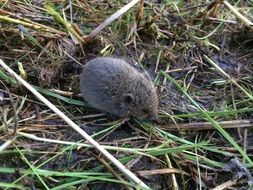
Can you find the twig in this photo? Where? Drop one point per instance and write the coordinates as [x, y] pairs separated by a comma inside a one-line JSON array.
[[120, 166]]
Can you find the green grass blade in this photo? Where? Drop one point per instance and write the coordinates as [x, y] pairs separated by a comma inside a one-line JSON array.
[[211, 120]]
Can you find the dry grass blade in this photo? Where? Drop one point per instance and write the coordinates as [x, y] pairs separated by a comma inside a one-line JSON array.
[[210, 119], [161, 171], [6, 144], [13, 109], [120, 166], [111, 19], [140, 13], [173, 176], [109, 168], [225, 185], [228, 77], [47, 43], [208, 125], [67, 25], [238, 15], [31, 24]]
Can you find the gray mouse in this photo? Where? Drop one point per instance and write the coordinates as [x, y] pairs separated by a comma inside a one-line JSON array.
[[114, 86]]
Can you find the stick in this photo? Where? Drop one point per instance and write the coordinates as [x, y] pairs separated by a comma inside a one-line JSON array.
[[120, 166]]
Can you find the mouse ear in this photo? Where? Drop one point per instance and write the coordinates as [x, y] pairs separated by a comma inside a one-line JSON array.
[[128, 98]]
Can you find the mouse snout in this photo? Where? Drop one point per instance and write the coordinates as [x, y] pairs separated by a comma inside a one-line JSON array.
[[152, 116]]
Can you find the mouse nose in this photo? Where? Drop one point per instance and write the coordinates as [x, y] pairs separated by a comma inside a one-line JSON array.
[[152, 116]]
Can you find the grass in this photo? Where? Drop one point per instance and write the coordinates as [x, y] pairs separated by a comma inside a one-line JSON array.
[[199, 56]]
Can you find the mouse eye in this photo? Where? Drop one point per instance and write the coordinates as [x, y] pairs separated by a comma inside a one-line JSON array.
[[145, 110], [128, 98]]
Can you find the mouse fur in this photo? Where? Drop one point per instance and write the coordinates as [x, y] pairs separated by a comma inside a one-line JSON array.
[[114, 86]]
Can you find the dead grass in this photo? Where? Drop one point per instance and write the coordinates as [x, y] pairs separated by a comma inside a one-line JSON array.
[[176, 38]]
